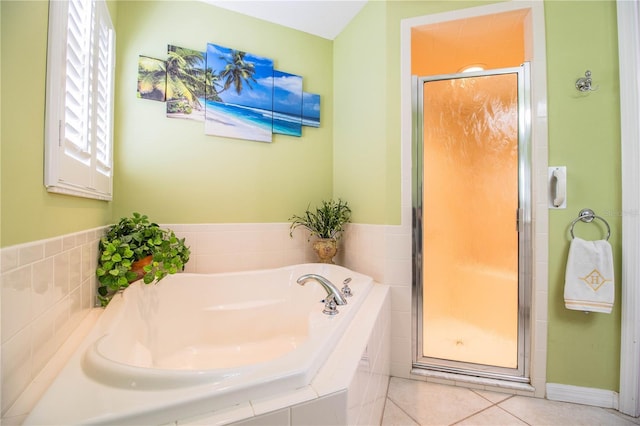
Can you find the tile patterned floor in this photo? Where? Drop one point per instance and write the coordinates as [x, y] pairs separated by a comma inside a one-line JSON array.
[[412, 402]]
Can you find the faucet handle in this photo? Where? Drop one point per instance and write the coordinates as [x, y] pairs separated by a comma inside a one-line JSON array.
[[330, 306], [346, 290]]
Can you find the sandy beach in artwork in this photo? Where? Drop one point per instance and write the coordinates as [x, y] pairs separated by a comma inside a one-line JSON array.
[[218, 123], [196, 115]]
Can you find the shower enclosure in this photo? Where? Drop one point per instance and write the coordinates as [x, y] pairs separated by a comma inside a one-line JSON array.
[[472, 218]]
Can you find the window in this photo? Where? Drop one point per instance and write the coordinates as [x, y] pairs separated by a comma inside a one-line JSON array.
[[79, 110]]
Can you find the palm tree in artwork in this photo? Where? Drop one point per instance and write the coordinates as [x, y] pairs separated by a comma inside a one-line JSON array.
[[185, 75], [237, 72], [211, 80], [152, 78]]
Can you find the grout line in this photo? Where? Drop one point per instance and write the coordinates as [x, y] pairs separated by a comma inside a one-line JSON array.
[[497, 404], [473, 414], [510, 413], [403, 410], [493, 404], [386, 399]]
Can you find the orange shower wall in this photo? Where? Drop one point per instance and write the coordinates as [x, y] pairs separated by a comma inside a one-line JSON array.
[[446, 48]]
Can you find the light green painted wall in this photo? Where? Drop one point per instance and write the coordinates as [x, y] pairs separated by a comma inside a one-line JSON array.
[[583, 135], [28, 212], [360, 134], [170, 170]]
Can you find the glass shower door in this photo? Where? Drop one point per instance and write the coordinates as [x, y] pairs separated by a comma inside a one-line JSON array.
[[471, 201]]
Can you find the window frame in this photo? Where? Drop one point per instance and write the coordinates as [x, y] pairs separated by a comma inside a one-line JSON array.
[[69, 169]]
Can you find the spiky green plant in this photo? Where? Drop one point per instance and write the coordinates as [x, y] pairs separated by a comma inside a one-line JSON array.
[[327, 221]]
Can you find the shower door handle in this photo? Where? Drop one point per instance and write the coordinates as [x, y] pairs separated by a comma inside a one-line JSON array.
[[560, 188]]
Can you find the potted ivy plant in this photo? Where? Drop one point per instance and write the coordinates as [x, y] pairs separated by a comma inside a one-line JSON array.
[[327, 224], [133, 249]]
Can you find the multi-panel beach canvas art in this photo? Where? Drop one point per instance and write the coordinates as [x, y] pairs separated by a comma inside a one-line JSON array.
[[235, 93]]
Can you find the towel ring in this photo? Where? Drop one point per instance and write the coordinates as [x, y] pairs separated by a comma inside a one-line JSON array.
[[587, 215]]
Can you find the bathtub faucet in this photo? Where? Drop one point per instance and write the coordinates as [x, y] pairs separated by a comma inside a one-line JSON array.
[[334, 296]]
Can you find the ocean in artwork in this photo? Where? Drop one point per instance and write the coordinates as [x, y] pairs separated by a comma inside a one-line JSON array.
[[286, 124], [311, 121]]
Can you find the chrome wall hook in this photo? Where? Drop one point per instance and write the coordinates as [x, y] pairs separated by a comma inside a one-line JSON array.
[[584, 84]]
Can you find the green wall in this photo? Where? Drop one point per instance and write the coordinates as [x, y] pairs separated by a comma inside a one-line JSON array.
[[360, 134], [173, 172], [27, 211], [583, 350], [584, 135]]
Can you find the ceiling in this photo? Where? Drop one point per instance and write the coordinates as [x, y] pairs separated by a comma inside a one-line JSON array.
[[323, 18]]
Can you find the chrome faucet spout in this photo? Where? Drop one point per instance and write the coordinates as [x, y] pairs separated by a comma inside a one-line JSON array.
[[330, 288]]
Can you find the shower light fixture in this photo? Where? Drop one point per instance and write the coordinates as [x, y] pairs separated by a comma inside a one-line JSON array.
[[473, 68]]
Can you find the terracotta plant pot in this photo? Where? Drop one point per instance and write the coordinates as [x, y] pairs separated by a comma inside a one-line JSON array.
[[326, 248], [138, 265]]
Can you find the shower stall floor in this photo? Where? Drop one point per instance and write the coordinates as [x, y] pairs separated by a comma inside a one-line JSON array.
[[453, 339]]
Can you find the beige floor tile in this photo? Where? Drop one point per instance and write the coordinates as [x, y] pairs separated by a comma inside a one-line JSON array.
[[492, 416], [394, 416], [414, 402], [536, 411], [434, 404], [634, 420]]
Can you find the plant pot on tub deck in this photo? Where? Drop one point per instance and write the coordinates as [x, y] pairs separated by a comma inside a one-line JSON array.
[[133, 249], [325, 222]]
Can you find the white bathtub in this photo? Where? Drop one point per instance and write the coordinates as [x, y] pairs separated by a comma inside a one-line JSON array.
[[200, 342]]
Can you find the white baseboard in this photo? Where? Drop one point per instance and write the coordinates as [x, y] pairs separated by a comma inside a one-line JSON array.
[[580, 395]]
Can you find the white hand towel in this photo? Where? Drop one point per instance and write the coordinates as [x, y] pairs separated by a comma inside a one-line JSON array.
[[589, 284]]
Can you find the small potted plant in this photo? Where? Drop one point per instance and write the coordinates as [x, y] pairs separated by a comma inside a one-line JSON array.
[[134, 249], [327, 223]]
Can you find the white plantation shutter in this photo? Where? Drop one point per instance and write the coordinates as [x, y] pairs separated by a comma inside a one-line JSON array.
[[80, 66], [78, 75], [103, 99]]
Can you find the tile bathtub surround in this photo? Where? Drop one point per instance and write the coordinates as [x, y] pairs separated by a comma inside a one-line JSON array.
[[229, 247], [39, 314], [48, 287], [380, 251]]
